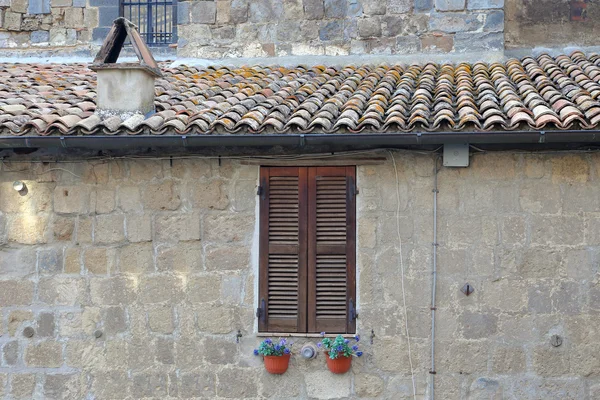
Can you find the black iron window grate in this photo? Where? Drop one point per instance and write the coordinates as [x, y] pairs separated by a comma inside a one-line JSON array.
[[156, 19]]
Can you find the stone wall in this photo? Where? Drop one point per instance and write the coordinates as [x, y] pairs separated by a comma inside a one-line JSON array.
[[532, 23], [137, 275], [243, 28], [45, 23]]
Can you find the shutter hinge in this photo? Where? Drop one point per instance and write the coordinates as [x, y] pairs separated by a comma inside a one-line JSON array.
[[352, 311], [261, 311], [260, 191]]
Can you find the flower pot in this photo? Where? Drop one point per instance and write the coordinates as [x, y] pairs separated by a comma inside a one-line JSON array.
[[277, 364], [340, 365]]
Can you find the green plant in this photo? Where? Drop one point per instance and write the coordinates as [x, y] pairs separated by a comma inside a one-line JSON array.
[[339, 347], [269, 348]]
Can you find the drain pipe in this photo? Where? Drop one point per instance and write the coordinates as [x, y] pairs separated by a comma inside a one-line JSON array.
[[435, 191]]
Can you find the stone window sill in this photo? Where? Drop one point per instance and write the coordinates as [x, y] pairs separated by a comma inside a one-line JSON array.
[[302, 335]]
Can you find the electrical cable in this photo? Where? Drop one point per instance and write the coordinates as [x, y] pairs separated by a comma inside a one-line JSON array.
[[412, 373]]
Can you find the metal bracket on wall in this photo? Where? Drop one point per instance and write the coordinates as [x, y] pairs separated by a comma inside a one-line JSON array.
[[456, 155]]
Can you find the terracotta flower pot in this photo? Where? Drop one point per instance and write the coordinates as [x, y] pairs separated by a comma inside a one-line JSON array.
[[277, 364], [340, 365]]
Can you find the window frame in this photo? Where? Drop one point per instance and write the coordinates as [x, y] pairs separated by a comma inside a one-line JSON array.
[[307, 322], [148, 32]]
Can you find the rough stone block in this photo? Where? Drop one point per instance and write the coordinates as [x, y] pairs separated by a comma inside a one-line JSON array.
[[112, 291], [16, 319], [450, 5], [73, 17], [161, 288], [335, 8], [110, 384], [237, 383], [570, 169], [484, 4], [313, 9], [437, 43], [239, 11], [209, 194], [551, 230], [139, 228], [367, 385], [46, 354], [96, 260], [10, 352], [18, 262], [103, 201], [16, 292], [50, 261], [374, 7], [62, 3], [29, 229], [551, 361], [136, 258], [226, 258], [478, 325], [327, 386], [177, 227], [537, 197], [38, 7], [204, 288], [45, 325], [455, 22], [228, 227], [203, 12], [369, 27], [62, 386], [215, 319], [423, 5], [198, 384], [399, 6], [22, 386], [19, 6], [71, 199], [160, 320], [182, 257], [163, 196], [109, 229], [115, 320], [129, 198], [63, 227], [183, 12], [494, 22]]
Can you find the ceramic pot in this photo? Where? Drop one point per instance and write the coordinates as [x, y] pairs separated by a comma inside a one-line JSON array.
[[340, 365]]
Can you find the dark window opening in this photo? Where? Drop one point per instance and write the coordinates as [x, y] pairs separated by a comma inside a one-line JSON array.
[[155, 19]]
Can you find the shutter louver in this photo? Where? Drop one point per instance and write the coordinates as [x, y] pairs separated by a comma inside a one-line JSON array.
[[283, 249], [331, 249]]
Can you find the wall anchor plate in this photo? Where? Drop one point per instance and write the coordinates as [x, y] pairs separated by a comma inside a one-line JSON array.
[[467, 289]]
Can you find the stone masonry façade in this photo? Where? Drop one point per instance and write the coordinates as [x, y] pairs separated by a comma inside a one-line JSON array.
[[159, 257], [261, 28]]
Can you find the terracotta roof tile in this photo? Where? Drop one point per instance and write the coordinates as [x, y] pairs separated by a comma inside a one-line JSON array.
[[545, 92]]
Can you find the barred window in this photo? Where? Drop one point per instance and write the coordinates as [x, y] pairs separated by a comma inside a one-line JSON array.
[[156, 19]]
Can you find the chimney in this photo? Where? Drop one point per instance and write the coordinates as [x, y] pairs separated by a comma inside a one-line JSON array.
[[124, 89]]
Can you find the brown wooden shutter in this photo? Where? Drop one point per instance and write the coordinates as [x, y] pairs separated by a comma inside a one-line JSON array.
[[283, 268], [331, 249]]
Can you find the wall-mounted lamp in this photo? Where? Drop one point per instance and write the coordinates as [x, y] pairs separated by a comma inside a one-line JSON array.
[[20, 187]]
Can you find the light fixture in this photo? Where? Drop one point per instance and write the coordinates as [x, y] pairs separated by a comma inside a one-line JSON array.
[[19, 186]]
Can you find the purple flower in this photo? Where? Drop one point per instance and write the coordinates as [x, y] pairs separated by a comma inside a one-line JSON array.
[[277, 347], [340, 348], [268, 341], [359, 353], [355, 347], [255, 352], [322, 333], [357, 338], [282, 342], [319, 345], [346, 341], [286, 351]]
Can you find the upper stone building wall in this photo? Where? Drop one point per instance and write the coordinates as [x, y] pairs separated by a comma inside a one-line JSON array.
[[261, 28], [258, 28], [551, 23]]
